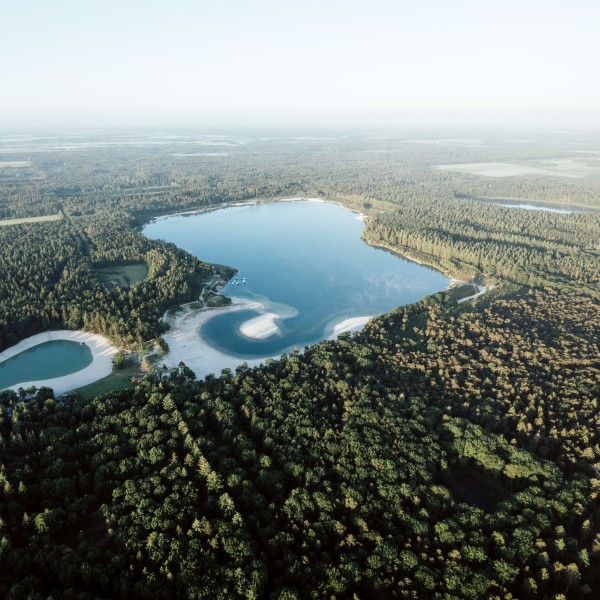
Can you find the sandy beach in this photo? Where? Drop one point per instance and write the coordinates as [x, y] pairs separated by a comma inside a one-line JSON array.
[[186, 345], [102, 353], [354, 324]]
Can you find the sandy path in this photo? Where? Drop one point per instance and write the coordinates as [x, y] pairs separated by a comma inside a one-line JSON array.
[[481, 290]]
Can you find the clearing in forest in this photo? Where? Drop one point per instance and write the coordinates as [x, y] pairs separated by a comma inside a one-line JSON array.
[[121, 276], [6, 222]]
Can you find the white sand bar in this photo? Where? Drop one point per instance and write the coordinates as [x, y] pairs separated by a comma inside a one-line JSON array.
[[354, 324], [261, 327], [101, 366]]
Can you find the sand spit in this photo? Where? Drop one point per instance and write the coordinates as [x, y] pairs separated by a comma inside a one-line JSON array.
[[261, 327]]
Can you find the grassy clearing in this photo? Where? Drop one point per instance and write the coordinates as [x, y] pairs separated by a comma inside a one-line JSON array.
[[461, 291], [121, 276], [214, 300], [46, 218], [118, 380], [179, 309]]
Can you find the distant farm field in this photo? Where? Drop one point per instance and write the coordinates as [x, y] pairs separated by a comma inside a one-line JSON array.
[[7, 222], [560, 167], [14, 164]]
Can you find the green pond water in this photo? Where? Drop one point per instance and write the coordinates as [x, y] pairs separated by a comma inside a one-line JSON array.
[[45, 361], [304, 261]]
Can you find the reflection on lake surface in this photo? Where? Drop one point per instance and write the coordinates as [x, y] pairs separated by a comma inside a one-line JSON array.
[[304, 264]]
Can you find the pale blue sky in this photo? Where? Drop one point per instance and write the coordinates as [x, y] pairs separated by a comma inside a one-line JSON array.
[[195, 62]]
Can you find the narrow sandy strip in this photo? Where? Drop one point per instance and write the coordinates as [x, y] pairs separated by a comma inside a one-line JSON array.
[[354, 324], [101, 365], [261, 327]]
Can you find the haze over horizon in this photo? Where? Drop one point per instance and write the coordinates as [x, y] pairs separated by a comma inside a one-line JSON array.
[[273, 63]]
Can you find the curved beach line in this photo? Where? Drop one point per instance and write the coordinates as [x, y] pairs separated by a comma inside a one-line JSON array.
[[101, 366], [187, 345], [353, 324]]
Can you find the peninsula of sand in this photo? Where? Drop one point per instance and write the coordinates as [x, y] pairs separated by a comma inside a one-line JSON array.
[[187, 345], [101, 365]]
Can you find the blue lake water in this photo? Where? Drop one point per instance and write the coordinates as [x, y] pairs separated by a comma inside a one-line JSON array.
[[562, 211], [45, 361], [302, 260]]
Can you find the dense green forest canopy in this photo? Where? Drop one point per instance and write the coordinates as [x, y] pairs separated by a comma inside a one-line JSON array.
[[447, 451]]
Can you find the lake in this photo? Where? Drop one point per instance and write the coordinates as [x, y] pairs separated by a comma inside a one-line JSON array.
[[561, 211], [45, 361], [523, 204], [303, 266]]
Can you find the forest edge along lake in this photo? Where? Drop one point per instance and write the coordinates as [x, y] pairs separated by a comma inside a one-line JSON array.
[[303, 275]]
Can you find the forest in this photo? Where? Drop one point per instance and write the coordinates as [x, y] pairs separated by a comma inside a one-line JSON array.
[[446, 451]]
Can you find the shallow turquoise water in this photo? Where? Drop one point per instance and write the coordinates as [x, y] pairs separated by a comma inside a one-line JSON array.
[[305, 261], [45, 361]]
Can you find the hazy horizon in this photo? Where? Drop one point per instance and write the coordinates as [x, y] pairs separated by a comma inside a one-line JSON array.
[[274, 64]]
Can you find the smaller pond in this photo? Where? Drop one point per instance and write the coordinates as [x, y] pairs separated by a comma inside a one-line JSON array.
[[562, 211], [48, 360], [523, 204]]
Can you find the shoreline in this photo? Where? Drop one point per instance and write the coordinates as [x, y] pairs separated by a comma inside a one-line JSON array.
[[454, 280], [187, 346], [101, 366], [255, 202], [349, 325]]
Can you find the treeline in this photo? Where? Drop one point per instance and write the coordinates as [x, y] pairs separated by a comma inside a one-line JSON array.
[[528, 247], [48, 281], [330, 473], [142, 178]]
